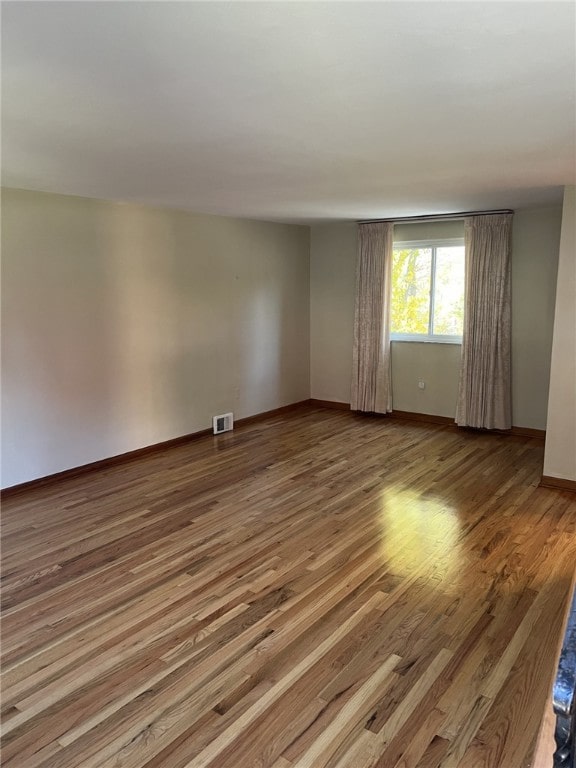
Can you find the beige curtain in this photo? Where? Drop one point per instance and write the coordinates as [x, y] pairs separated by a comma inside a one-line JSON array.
[[484, 398], [371, 383]]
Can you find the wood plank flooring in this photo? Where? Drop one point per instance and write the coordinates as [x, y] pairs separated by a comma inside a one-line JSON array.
[[318, 589]]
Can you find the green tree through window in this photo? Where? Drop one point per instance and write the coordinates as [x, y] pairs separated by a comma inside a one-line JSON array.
[[427, 295]]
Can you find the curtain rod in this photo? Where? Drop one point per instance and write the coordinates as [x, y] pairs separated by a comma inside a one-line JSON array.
[[435, 217]]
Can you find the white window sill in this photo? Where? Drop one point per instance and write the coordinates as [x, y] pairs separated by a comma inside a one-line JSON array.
[[428, 339]]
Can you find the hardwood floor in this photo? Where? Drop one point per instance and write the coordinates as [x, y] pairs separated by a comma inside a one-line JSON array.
[[315, 590]]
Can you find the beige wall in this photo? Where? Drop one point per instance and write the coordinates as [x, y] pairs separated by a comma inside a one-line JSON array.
[[560, 453], [534, 263], [535, 244], [332, 282], [124, 326], [438, 365]]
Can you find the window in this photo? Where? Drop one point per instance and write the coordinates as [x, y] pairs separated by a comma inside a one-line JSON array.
[[427, 302]]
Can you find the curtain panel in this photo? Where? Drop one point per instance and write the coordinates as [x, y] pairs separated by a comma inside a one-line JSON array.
[[371, 379], [484, 397]]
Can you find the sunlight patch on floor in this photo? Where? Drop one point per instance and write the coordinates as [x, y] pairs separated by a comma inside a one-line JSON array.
[[417, 528]]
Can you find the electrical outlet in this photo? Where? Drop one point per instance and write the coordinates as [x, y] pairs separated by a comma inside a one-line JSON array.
[[421, 384]]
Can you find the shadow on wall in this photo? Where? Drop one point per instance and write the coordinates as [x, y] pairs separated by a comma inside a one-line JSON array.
[[125, 326], [207, 310], [199, 323], [58, 384]]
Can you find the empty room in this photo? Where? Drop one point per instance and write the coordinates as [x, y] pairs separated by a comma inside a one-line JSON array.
[[288, 384]]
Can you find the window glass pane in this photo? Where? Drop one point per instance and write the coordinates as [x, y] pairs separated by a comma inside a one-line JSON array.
[[410, 305], [449, 291]]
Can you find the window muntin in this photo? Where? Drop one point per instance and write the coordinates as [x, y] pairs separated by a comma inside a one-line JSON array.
[[427, 295]]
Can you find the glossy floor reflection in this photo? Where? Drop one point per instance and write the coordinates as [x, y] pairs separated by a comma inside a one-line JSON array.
[[418, 529], [316, 589]]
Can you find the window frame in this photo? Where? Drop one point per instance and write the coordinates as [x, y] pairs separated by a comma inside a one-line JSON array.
[[432, 244]]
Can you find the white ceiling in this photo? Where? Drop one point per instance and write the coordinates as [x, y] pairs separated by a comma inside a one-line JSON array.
[[295, 111]]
